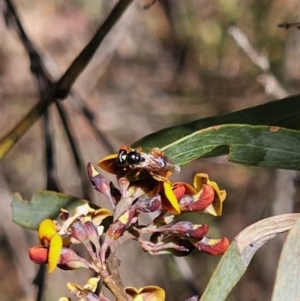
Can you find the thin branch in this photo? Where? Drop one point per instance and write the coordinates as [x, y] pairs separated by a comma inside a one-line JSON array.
[[113, 281], [65, 83], [258, 59], [91, 119], [44, 84], [85, 184], [7, 142], [289, 25], [62, 87], [13, 19], [49, 154], [268, 79]]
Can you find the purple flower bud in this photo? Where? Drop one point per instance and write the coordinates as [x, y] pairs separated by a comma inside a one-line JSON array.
[[171, 245], [79, 233], [148, 205], [93, 236], [99, 182], [69, 260], [116, 229], [90, 296], [185, 228]]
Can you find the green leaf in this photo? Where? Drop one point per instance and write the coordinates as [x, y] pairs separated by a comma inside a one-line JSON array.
[[287, 279], [282, 113], [44, 204], [228, 272], [236, 259], [245, 144]]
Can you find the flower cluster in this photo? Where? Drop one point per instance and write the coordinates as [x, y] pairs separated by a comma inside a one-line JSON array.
[[144, 186]]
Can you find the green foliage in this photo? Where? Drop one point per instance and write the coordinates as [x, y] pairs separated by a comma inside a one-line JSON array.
[[244, 144], [235, 261], [44, 204], [282, 113]]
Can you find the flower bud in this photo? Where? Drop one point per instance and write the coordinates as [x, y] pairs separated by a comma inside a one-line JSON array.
[[90, 296], [93, 236], [69, 260], [116, 229], [148, 205], [99, 182], [79, 233], [185, 228]]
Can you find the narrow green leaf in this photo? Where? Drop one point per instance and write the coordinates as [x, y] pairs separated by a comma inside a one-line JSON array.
[[245, 144], [283, 113], [228, 272], [44, 204], [236, 259], [288, 273]]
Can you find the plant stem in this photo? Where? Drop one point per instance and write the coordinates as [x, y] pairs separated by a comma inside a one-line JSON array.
[[62, 87], [113, 281], [64, 84]]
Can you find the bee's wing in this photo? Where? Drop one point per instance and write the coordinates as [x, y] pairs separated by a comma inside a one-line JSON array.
[[157, 163]]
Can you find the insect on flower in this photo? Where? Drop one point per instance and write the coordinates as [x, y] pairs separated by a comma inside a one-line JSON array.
[[129, 158], [155, 161]]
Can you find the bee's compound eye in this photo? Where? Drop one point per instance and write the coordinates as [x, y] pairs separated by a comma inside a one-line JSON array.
[[122, 157], [134, 158]]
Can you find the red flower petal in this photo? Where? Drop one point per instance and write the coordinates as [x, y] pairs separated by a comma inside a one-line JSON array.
[[213, 246], [39, 254], [198, 202]]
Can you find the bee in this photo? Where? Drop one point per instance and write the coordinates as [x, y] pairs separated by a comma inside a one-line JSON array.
[[155, 161], [129, 158]]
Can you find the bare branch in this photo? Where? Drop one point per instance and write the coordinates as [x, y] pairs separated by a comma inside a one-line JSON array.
[[241, 39], [289, 25], [64, 84], [113, 281], [62, 87], [267, 80]]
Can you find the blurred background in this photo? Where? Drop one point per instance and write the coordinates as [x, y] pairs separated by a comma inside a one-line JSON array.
[[178, 61]]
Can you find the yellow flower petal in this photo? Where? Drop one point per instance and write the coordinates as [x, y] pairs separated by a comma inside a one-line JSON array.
[[147, 293], [132, 291], [92, 284], [46, 231], [56, 243], [108, 163], [217, 205], [99, 215], [74, 288], [64, 299], [153, 293], [171, 198]]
